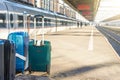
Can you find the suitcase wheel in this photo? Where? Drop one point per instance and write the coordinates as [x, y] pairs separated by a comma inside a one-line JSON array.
[[29, 69], [48, 69]]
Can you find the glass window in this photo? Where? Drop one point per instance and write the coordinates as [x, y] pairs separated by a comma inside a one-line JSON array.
[[11, 20], [2, 20], [52, 22], [51, 5], [43, 3], [45, 20], [47, 4], [38, 22], [49, 22], [20, 21], [31, 22]]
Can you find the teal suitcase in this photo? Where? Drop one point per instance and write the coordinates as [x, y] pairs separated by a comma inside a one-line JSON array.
[[39, 57]]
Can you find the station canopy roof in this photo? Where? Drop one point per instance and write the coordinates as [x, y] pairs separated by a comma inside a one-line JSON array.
[[97, 10], [86, 8]]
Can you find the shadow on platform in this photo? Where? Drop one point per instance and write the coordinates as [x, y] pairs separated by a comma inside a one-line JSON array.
[[81, 70]]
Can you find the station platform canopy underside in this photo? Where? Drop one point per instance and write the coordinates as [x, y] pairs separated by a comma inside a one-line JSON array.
[[97, 10], [87, 8]]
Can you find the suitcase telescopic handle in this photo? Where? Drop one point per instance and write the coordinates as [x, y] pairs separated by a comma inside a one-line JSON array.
[[35, 30], [43, 30], [25, 21], [35, 36]]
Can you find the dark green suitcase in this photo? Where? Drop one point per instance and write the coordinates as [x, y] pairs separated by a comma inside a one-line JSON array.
[[40, 57]]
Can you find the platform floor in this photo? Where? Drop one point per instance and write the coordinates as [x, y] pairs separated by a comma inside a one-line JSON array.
[[83, 54], [80, 54]]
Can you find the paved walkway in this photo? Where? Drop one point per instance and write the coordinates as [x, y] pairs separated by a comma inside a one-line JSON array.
[[82, 54]]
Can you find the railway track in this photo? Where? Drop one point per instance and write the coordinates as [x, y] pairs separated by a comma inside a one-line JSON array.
[[113, 36]]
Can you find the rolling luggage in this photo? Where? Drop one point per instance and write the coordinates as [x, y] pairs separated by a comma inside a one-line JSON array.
[[39, 53], [1, 60], [40, 56], [21, 40], [7, 56]]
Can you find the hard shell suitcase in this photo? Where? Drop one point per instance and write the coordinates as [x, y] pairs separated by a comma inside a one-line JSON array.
[[1, 60], [39, 52], [21, 40], [8, 56], [40, 56]]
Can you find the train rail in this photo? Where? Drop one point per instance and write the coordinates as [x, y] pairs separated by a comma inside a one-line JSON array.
[[113, 36], [115, 30]]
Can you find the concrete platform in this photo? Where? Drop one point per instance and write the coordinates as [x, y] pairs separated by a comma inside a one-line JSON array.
[[80, 54], [83, 54]]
